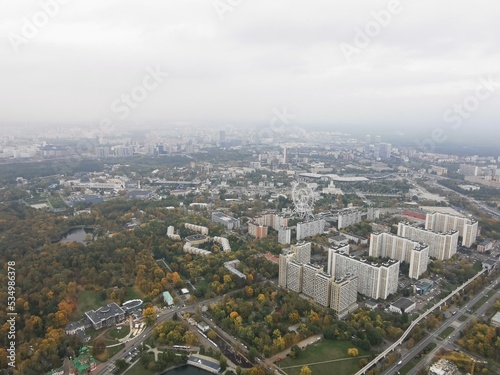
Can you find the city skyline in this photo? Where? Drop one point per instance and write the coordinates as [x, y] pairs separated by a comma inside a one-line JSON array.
[[387, 65]]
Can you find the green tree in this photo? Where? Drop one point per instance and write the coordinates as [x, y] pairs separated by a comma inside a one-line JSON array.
[[223, 363]]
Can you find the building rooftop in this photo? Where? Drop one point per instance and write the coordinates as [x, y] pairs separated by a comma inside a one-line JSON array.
[[403, 303], [105, 312], [496, 319], [206, 361]]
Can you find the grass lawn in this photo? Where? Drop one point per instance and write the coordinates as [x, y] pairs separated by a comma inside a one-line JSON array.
[[201, 283], [463, 318], [119, 332], [138, 369], [480, 302], [134, 293], [57, 202], [323, 353], [87, 300], [446, 332], [409, 366], [109, 352]]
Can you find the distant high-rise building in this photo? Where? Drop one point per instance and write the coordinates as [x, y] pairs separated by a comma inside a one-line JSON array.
[[285, 155], [375, 280], [272, 220], [377, 139], [294, 276], [349, 216], [256, 230], [467, 228], [222, 136], [286, 257], [322, 288], [102, 152], [344, 295], [368, 140], [310, 228], [468, 170], [284, 235], [387, 245], [442, 246], [308, 276], [302, 252], [384, 150]]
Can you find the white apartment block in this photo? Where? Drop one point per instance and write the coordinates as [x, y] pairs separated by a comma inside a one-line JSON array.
[[310, 228], [286, 257], [467, 228], [468, 170], [442, 246], [302, 251], [196, 228], [387, 245], [284, 236], [294, 276], [344, 295], [322, 289], [374, 280], [349, 217], [309, 272], [331, 253]]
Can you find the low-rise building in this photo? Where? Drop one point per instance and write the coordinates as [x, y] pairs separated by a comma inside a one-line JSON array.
[[106, 316], [485, 246], [402, 305], [167, 298], [228, 222], [423, 286]]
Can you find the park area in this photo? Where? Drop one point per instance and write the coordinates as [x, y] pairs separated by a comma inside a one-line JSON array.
[[323, 356]]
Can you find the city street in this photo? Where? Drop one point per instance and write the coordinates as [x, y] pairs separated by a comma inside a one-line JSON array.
[[448, 342]]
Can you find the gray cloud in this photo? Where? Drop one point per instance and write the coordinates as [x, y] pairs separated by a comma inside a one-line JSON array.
[[263, 54]]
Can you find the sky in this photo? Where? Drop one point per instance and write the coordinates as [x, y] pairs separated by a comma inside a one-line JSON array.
[[393, 64]]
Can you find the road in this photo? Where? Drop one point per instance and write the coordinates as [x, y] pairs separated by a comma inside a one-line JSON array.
[[417, 321], [454, 318], [482, 206], [164, 315]]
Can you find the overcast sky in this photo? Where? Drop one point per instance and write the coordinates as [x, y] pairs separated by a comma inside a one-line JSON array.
[[231, 61]]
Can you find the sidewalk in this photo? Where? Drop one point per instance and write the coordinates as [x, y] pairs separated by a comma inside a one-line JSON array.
[[302, 344]]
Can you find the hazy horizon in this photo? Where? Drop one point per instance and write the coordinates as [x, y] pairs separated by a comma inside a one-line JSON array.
[[235, 62]]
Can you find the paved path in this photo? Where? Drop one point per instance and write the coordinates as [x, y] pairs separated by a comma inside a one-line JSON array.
[[302, 344], [322, 362]]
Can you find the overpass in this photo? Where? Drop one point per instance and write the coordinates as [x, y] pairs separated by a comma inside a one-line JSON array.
[[413, 324]]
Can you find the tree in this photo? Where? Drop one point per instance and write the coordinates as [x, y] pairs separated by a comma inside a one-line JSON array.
[[149, 314], [223, 363], [352, 352], [121, 364], [305, 371], [363, 362], [295, 351], [99, 347]]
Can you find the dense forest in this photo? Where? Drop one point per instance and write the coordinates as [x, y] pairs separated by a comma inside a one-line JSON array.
[[50, 275]]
